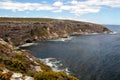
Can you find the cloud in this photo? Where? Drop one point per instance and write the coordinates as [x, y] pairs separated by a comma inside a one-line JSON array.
[[109, 3], [74, 2], [17, 6], [58, 4], [77, 7], [91, 6], [7, 0], [112, 3], [72, 6]]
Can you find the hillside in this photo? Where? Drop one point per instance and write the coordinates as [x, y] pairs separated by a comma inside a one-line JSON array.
[[18, 31], [20, 65]]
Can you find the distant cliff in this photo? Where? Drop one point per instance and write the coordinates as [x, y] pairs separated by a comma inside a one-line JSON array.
[[18, 31]]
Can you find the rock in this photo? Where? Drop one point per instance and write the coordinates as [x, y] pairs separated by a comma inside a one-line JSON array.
[[16, 76], [5, 70], [28, 78], [37, 68]]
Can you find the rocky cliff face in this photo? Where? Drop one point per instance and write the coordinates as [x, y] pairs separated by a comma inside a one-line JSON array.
[[19, 64], [21, 30]]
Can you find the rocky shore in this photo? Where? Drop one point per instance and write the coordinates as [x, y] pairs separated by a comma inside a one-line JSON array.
[[20, 64]]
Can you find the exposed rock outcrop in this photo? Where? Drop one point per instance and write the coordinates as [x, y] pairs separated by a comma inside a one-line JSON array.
[[18, 31]]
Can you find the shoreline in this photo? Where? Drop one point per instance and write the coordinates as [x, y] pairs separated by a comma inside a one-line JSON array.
[[55, 65]]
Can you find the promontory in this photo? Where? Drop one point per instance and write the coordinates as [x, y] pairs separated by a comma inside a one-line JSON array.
[[18, 31]]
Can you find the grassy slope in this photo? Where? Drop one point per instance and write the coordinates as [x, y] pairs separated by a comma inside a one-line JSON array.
[[20, 61]]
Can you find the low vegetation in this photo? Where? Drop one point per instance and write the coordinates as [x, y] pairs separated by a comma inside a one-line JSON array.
[[20, 61], [39, 32], [26, 19], [53, 76]]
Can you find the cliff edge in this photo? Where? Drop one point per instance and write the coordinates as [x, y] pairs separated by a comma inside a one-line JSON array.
[[18, 31]]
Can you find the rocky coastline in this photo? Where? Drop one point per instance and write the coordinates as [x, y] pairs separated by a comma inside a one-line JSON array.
[[18, 31], [20, 64]]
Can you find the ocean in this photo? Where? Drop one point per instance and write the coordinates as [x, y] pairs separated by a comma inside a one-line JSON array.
[[88, 57]]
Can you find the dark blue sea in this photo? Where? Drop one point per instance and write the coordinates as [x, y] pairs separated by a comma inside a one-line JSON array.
[[88, 57]]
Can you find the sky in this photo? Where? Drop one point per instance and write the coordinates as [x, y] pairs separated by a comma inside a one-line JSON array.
[[96, 11]]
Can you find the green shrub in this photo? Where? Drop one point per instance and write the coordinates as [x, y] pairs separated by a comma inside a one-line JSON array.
[[19, 56], [0, 73], [52, 76], [39, 32], [43, 66], [7, 61], [19, 65], [14, 64]]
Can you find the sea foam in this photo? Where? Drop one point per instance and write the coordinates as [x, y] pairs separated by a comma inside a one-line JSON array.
[[61, 39], [55, 65]]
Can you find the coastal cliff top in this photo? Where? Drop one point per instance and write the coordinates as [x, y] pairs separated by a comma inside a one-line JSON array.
[[19, 20]]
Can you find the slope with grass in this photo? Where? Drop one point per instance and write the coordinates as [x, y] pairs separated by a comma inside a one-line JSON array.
[[20, 65]]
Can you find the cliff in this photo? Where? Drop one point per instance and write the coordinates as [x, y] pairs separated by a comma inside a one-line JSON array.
[[20, 65], [18, 31]]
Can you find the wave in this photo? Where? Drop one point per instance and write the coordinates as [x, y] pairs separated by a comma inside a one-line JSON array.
[[114, 32], [61, 39], [27, 44], [55, 65]]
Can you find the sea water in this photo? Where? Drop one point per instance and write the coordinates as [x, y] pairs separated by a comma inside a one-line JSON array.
[[88, 57]]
